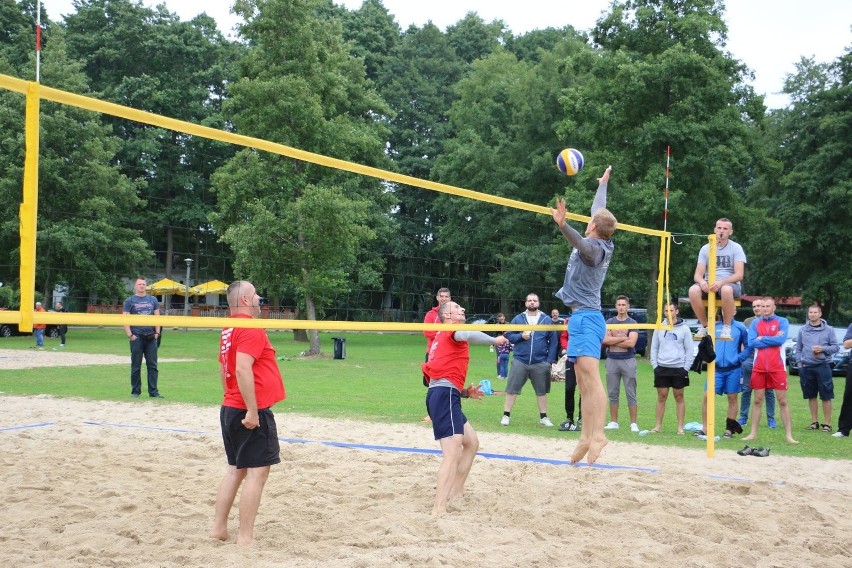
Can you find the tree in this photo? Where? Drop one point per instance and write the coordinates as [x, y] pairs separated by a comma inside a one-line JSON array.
[[85, 241], [808, 187], [662, 79], [301, 87], [150, 60]]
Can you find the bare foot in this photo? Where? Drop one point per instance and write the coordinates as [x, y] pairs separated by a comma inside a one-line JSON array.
[[245, 542], [593, 448], [680, 432], [750, 437], [656, 430], [790, 441], [438, 513], [219, 534]]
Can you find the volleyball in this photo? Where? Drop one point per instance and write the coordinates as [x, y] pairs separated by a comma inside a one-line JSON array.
[[569, 161]]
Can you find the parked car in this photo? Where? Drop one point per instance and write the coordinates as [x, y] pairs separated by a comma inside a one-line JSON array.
[[638, 314], [839, 361], [11, 329]]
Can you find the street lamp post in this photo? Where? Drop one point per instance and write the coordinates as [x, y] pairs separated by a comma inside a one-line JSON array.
[[188, 262]]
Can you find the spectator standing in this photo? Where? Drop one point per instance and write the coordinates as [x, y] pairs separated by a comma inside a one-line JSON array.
[[730, 269], [38, 328], [671, 358], [729, 357], [844, 422], [621, 365], [815, 346], [748, 364], [252, 384], [443, 296], [570, 389], [143, 340], [767, 335], [535, 352], [61, 328], [503, 351]]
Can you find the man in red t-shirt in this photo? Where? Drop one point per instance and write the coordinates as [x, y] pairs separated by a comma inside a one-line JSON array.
[[446, 371], [252, 384]]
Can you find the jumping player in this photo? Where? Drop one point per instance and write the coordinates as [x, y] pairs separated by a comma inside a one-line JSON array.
[[581, 291]]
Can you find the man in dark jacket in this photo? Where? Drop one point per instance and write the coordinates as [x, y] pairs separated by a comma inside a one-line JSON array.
[[535, 352]]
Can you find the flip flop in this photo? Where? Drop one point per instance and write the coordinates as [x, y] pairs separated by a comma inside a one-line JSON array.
[[826, 428], [813, 426], [760, 452], [747, 451]]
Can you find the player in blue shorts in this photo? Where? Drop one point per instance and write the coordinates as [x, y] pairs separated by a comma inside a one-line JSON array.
[[581, 291], [729, 375]]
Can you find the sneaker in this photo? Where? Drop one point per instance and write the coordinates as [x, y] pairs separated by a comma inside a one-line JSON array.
[[611, 426], [634, 427], [546, 422], [62, 345], [700, 334], [505, 420], [771, 423], [726, 332], [839, 434], [134, 394], [742, 421], [568, 426]]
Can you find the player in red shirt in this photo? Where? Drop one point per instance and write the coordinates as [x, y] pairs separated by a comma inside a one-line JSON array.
[[252, 384], [446, 371]]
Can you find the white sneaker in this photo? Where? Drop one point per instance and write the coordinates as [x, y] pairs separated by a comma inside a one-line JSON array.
[[505, 420], [838, 434], [634, 427], [726, 332], [546, 422], [700, 334], [611, 426]]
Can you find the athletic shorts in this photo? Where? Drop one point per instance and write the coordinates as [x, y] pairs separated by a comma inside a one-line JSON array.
[[816, 379], [737, 287], [538, 374], [729, 382], [444, 407], [587, 329], [671, 378], [245, 448], [769, 380]]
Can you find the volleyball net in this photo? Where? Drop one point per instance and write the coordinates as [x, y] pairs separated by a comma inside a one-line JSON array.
[[35, 93]]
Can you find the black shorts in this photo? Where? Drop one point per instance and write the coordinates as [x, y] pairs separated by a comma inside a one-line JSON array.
[[671, 377], [245, 448]]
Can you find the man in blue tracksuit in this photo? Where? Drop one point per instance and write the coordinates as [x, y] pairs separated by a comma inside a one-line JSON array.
[[729, 374], [815, 346], [535, 352]]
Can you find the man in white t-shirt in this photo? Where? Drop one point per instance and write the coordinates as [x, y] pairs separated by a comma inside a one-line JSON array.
[[730, 269]]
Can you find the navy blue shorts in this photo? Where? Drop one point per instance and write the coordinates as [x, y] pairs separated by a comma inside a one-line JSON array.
[[249, 448], [816, 379], [444, 407]]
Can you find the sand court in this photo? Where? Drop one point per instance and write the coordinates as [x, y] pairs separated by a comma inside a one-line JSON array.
[[89, 483]]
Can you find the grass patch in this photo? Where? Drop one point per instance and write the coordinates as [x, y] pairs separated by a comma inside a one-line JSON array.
[[379, 381]]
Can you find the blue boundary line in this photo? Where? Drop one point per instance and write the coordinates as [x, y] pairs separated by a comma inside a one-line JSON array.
[[117, 425], [27, 426]]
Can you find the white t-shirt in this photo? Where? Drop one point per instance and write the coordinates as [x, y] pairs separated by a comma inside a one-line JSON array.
[[726, 258]]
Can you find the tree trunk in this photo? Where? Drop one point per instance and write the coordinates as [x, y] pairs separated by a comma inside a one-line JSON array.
[[313, 334]]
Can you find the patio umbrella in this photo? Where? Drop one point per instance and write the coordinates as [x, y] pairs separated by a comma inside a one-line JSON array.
[[212, 287], [165, 286]]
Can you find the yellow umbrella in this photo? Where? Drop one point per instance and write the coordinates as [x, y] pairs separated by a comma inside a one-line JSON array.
[[212, 287], [165, 286]]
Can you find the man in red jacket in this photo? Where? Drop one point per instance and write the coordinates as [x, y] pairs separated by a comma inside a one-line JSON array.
[[767, 335]]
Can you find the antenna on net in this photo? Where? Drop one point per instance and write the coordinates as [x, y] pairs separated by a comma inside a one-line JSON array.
[[666, 205]]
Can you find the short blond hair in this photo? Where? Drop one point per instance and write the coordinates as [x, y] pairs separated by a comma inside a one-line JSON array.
[[605, 222]]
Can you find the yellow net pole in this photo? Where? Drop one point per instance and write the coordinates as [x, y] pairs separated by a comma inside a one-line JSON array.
[[711, 367], [29, 209]]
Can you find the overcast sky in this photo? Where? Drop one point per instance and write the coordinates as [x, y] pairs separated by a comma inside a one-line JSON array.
[[770, 36]]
